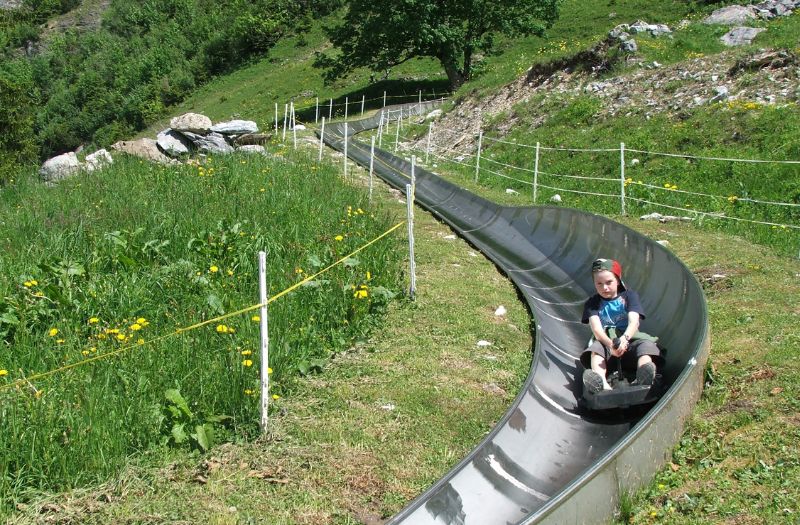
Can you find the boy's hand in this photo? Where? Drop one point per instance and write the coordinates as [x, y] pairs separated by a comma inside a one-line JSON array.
[[619, 345]]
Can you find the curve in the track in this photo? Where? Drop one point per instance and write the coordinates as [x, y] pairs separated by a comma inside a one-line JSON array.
[[548, 460]]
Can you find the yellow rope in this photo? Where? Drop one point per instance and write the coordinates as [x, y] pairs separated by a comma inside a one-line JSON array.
[[195, 326]]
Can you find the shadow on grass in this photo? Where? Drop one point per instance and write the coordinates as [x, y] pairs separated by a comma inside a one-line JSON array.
[[397, 92]]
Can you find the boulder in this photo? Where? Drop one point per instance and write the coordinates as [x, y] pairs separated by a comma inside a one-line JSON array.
[[731, 15], [98, 160], [144, 149], [253, 149], [629, 46], [654, 29], [191, 122], [740, 36], [621, 32], [211, 143], [59, 167], [235, 127], [436, 113], [173, 143]]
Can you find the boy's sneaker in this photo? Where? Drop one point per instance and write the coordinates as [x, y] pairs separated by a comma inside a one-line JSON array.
[[592, 381], [646, 374]]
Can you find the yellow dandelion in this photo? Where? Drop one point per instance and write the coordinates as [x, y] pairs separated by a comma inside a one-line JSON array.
[[60, 341], [94, 320], [142, 321], [38, 294], [140, 341], [3, 372], [53, 332], [222, 329], [247, 352], [247, 362], [298, 270], [369, 276], [136, 327], [248, 392], [120, 337], [339, 238], [213, 269], [256, 318], [269, 370], [276, 397], [84, 352], [230, 273], [27, 284], [34, 282]]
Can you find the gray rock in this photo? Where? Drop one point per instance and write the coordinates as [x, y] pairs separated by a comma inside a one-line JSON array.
[[436, 113], [654, 29], [211, 143], [235, 127], [10, 4], [98, 160], [191, 122], [629, 46], [620, 32], [173, 143], [721, 94], [59, 167], [740, 36], [253, 148], [146, 149], [731, 15]]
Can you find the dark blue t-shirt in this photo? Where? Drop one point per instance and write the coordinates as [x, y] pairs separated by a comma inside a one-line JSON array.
[[613, 312]]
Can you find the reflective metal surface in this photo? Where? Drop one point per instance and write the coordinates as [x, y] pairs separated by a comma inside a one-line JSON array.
[[549, 460]]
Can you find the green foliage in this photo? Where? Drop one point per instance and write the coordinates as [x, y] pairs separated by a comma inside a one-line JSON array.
[[100, 86], [17, 102], [181, 426], [114, 262], [382, 34]]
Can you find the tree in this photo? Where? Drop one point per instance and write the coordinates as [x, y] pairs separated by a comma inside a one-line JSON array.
[[380, 34]]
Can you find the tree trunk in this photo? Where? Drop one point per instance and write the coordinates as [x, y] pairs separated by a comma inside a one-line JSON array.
[[454, 75]]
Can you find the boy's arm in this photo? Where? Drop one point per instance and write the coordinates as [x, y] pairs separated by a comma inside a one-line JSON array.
[[598, 332], [633, 325]]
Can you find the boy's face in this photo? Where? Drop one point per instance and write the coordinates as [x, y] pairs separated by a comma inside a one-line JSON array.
[[606, 284]]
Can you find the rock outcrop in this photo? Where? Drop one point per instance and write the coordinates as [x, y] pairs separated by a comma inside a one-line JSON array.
[[59, 167]]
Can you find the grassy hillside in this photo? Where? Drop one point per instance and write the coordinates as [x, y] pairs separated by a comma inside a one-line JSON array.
[[396, 411]]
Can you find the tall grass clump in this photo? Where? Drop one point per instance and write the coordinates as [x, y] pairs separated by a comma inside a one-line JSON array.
[[114, 263]]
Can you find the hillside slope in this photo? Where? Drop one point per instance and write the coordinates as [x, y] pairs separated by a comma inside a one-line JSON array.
[[338, 451]]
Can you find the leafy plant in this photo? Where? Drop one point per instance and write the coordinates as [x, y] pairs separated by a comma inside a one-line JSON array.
[[182, 426]]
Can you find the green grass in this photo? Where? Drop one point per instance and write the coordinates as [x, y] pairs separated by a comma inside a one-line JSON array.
[[334, 454], [692, 188], [113, 263]]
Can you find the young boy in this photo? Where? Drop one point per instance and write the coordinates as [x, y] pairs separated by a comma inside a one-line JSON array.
[[613, 314]]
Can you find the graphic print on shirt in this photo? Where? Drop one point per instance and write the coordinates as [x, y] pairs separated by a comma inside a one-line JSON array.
[[613, 313]]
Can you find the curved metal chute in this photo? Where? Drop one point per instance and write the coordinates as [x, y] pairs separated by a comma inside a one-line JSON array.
[[548, 460]]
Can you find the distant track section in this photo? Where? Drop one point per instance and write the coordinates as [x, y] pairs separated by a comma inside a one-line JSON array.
[[548, 460]]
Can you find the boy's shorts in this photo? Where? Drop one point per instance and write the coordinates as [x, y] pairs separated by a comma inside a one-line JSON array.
[[636, 349]]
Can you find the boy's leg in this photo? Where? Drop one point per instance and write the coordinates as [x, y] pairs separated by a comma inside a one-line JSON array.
[[599, 368], [645, 367]]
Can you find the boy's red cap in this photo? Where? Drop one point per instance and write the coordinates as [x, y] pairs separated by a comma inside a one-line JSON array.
[[607, 264]]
